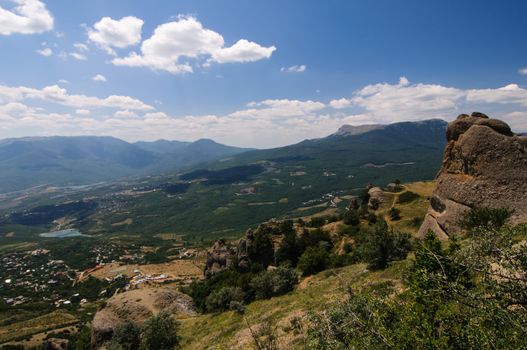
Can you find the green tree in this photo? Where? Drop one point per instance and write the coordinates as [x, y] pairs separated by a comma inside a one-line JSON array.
[[160, 333], [381, 245], [274, 283], [485, 217], [313, 260], [127, 337], [351, 217], [395, 214], [221, 299]]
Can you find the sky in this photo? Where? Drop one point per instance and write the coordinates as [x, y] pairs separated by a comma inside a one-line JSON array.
[[260, 73]]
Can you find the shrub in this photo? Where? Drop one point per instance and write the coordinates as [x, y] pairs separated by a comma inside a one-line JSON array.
[[126, 337], [407, 196], [274, 283], [485, 217], [221, 299], [317, 221], [395, 214], [314, 259], [381, 246], [351, 217], [160, 333], [416, 221]]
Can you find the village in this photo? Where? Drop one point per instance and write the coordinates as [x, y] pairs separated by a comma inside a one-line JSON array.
[[34, 276]]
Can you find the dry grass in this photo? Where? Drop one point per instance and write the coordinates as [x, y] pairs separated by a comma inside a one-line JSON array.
[[177, 269], [229, 330]]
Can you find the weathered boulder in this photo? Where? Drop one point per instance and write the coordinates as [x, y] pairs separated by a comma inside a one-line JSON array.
[[485, 165], [137, 306]]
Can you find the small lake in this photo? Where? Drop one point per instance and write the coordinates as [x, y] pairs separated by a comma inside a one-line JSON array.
[[63, 234]]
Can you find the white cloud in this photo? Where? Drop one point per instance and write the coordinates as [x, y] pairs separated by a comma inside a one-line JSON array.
[[523, 71], [80, 47], [267, 123], [173, 45], [340, 103], [109, 33], [100, 78], [242, 51], [58, 95], [78, 56], [83, 112], [28, 17], [279, 109], [511, 93], [46, 52], [63, 81], [294, 69]]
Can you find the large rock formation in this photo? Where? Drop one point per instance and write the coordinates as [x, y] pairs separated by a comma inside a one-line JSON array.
[[137, 306], [222, 255], [485, 165]]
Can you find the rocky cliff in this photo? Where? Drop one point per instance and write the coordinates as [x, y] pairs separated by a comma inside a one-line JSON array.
[[484, 165]]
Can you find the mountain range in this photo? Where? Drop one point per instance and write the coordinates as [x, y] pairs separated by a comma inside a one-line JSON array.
[[65, 161]]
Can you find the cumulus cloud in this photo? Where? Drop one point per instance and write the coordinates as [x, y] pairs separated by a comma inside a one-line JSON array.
[[109, 33], [267, 123], [58, 95], [173, 45], [523, 71], [294, 69], [100, 78], [340, 103], [46, 52], [279, 109], [78, 56], [80, 47], [27, 17], [83, 112]]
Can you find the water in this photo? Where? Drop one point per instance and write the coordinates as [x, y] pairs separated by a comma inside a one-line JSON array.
[[63, 234]]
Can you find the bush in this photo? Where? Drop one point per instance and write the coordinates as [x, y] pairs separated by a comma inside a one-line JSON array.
[[274, 283], [126, 337], [407, 196], [160, 333], [314, 259], [351, 217], [317, 221], [416, 221], [381, 246], [395, 214], [486, 218], [221, 299]]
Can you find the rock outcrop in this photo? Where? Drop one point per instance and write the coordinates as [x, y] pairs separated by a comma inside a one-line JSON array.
[[484, 165], [223, 255], [137, 306]]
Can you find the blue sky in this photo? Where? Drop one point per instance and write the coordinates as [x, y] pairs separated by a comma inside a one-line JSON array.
[[255, 73]]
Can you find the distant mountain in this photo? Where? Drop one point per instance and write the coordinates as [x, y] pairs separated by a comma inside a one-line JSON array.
[[234, 192], [162, 146], [419, 142], [59, 161]]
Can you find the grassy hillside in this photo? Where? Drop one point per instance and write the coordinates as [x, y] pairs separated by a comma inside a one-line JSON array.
[[230, 330]]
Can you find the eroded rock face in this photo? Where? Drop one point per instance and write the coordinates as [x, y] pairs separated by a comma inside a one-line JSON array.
[[223, 255], [485, 165]]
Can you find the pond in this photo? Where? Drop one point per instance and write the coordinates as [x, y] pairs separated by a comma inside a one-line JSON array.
[[63, 234]]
